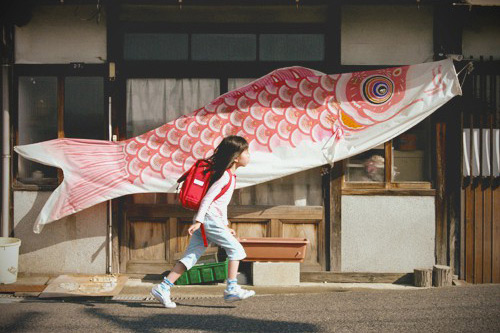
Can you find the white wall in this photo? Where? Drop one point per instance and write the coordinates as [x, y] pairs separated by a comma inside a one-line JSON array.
[[387, 234], [74, 244], [58, 35], [386, 35]]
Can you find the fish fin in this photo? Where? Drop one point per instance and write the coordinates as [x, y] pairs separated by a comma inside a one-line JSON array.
[[94, 172]]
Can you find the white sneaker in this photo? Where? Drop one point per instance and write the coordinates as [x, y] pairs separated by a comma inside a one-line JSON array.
[[162, 294], [237, 294]]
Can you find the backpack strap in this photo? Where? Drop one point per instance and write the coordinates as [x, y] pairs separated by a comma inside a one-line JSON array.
[[204, 236], [183, 177], [226, 187], [224, 190]]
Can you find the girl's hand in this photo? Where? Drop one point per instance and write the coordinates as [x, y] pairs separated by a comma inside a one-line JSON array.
[[193, 228]]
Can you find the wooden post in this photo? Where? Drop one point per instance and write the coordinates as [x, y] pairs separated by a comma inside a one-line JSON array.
[[422, 277], [442, 276], [441, 204], [335, 216]]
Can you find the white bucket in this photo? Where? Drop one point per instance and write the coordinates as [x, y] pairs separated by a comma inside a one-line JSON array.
[[9, 257]]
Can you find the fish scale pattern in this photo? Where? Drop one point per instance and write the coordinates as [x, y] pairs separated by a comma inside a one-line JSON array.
[[282, 109], [288, 112]]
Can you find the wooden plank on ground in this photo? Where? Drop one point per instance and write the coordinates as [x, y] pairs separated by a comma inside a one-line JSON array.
[[84, 285], [14, 288]]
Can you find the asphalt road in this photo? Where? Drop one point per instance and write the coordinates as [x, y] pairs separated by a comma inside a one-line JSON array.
[[473, 308]]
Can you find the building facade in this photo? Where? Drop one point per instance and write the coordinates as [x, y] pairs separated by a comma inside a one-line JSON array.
[[117, 70]]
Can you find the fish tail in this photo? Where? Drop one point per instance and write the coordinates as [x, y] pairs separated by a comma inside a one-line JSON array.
[[94, 171]]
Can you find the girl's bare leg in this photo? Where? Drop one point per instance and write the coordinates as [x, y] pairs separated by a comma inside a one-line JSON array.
[[177, 271], [232, 269]]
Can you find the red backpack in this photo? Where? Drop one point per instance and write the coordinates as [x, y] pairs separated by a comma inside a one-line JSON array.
[[195, 183]]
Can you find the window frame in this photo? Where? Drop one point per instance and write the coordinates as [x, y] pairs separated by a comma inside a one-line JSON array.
[[213, 68], [388, 185], [185, 69], [60, 72]]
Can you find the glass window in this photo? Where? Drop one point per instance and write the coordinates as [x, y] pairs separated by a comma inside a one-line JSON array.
[[154, 102], [411, 154], [367, 167], [410, 159], [297, 47], [224, 47], [233, 84], [37, 122], [156, 46], [84, 115]]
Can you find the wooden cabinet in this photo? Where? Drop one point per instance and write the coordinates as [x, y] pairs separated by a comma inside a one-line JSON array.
[[155, 236]]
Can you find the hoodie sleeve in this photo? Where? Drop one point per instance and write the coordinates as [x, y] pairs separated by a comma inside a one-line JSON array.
[[209, 197]]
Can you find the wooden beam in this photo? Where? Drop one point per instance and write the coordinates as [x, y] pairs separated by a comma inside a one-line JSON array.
[[172, 239], [224, 14], [336, 217], [453, 178], [117, 218], [356, 277], [15, 288], [461, 211], [124, 239], [495, 247], [276, 228], [441, 219], [388, 164], [234, 212], [390, 192]]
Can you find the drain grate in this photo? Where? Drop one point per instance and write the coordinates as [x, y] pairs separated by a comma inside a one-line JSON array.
[[132, 298], [151, 298], [9, 298]]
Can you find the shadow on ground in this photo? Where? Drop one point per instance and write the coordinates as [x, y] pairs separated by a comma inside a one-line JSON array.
[[171, 321], [209, 323]]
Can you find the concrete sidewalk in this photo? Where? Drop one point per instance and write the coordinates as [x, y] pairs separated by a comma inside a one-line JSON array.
[[136, 288]]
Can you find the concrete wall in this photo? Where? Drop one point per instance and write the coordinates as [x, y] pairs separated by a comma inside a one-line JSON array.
[[61, 34], [75, 244], [387, 234], [386, 35]]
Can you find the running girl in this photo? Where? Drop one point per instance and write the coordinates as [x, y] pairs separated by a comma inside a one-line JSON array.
[[229, 155]]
